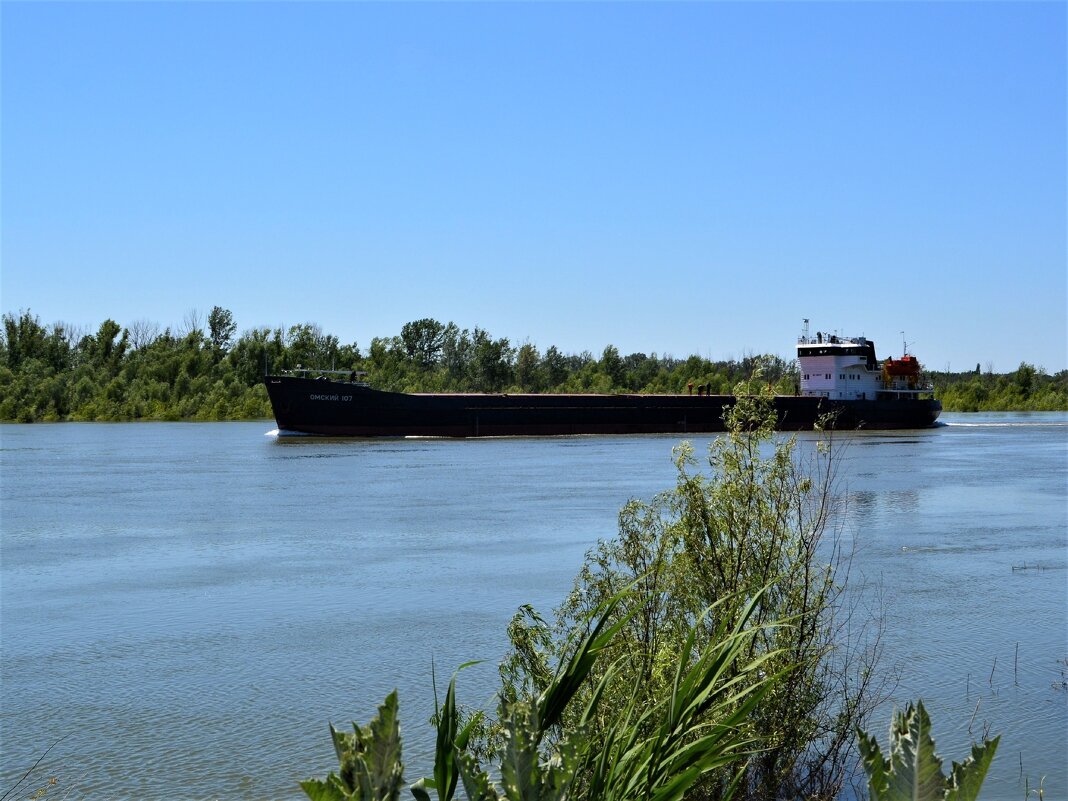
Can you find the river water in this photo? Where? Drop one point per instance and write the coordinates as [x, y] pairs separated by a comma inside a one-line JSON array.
[[186, 606]]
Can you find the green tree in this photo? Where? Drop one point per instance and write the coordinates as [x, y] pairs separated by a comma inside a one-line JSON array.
[[1024, 379], [491, 362], [307, 345], [106, 349], [640, 370], [612, 366], [32, 393], [222, 328], [57, 348], [456, 353], [23, 338], [528, 372], [255, 353], [555, 366], [423, 341]]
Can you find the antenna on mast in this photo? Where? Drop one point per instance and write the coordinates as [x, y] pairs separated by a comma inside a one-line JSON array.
[[804, 329], [904, 345]]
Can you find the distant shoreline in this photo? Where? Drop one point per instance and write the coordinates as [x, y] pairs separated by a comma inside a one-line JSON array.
[[208, 373]]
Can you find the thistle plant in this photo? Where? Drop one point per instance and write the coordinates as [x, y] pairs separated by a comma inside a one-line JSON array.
[[913, 771], [369, 759]]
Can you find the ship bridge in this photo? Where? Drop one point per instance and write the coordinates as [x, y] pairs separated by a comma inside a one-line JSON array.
[[846, 368]]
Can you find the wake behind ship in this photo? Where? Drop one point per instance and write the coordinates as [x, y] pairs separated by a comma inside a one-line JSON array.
[[841, 382]]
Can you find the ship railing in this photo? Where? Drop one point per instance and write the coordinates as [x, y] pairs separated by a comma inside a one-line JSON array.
[[903, 386], [905, 392], [357, 377], [831, 339]]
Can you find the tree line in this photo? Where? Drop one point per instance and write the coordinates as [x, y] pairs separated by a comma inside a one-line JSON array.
[[1026, 389], [204, 370]]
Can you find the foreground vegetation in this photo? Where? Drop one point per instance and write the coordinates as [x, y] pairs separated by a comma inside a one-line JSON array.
[[706, 653], [661, 754], [759, 524], [205, 371]]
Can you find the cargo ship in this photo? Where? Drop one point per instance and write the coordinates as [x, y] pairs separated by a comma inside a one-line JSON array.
[[841, 385]]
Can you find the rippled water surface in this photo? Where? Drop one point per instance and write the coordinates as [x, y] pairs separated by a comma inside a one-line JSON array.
[[187, 605]]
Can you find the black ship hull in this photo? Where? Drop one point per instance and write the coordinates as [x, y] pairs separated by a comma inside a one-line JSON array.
[[339, 408]]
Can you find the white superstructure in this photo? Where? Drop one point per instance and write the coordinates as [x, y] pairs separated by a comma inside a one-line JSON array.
[[845, 368]]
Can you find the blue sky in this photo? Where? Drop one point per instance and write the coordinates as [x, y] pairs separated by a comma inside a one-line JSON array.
[[670, 177]]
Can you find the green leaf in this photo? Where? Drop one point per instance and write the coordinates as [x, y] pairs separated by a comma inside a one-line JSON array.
[[877, 768], [916, 770], [318, 790], [469, 729], [966, 778], [520, 776], [449, 741], [477, 784], [344, 742], [384, 764], [566, 683], [419, 789], [445, 771]]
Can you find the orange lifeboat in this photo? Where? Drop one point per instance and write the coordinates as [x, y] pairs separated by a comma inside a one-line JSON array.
[[905, 366]]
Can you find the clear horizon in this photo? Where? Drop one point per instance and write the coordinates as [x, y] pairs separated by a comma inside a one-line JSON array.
[[670, 178]]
